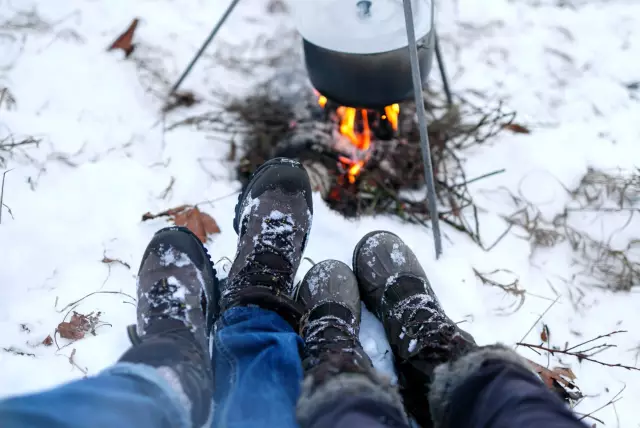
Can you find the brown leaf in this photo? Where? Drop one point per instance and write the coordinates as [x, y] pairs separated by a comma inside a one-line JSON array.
[[565, 372], [516, 128], [561, 375], [201, 224], [108, 260], [70, 331], [78, 326], [125, 40], [48, 341], [544, 335]]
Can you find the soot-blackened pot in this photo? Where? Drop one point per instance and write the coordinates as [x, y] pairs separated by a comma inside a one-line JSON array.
[[356, 51]]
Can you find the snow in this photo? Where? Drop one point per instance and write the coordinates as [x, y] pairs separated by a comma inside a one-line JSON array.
[[170, 256], [396, 255], [104, 161]]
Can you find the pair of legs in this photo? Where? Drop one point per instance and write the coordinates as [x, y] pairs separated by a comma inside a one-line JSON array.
[[234, 354]]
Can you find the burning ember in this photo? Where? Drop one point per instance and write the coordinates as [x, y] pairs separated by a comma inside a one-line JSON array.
[[354, 125]]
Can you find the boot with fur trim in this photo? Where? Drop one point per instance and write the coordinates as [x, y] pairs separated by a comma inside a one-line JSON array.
[[334, 362], [394, 286]]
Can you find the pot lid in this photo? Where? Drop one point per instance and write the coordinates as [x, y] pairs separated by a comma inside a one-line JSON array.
[[359, 26]]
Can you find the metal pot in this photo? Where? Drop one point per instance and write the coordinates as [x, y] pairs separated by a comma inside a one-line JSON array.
[[356, 50]]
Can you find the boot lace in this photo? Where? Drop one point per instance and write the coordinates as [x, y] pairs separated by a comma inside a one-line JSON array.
[[270, 264]]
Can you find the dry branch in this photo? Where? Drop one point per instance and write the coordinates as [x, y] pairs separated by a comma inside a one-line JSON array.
[[601, 263], [581, 353]]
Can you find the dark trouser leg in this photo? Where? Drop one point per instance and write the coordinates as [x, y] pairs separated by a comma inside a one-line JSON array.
[[493, 387]]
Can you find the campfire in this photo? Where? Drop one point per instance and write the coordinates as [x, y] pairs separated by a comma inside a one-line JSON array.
[[361, 161], [357, 130]]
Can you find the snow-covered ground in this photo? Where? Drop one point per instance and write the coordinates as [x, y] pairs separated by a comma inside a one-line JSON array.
[[104, 160]]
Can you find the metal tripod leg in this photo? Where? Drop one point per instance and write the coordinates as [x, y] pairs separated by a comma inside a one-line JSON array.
[[443, 72]]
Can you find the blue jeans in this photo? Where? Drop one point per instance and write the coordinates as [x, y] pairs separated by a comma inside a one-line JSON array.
[[257, 382]]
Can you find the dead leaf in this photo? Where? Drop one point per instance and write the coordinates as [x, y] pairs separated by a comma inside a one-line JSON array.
[[558, 379], [108, 260], [201, 224], [69, 331], [516, 128], [125, 40], [565, 372], [79, 325], [48, 341], [180, 99], [544, 335]]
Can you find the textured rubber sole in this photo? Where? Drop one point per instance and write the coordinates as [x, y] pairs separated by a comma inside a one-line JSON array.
[[256, 174]]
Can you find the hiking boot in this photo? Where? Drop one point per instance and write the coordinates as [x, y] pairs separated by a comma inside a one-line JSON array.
[[394, 286], [175, 290], [331, 324], [334, 362], [273, 219]]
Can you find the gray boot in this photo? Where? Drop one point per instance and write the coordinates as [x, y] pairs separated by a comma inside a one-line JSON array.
[[334, 362], [176, 288], [394, 286], [273, 219]]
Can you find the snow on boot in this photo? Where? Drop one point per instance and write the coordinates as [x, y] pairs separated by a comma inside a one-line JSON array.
[[273, 219], [394, 286], [175, 288], [334, 362]]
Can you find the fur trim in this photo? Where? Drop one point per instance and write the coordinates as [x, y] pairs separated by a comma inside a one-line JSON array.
[[315, 397], [448, 376]]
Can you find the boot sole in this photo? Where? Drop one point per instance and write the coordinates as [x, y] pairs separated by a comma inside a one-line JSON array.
[[257, 173]]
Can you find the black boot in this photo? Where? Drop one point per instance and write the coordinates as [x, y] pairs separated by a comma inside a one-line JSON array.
[[175, 288], [273, 219], [335, 364], [394, 286]]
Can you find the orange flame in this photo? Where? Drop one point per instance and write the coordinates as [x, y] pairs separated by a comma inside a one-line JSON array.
[[359, 133], [391, 114], [347, 115], [354, 171]]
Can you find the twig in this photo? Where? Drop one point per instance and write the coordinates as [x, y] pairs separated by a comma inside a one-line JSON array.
[[91, 294], [510, 288], [538, 320], [579, 355], [609, 403], [2, 193], [15, 351], [73, 362], [482, 177], [596, 338]]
